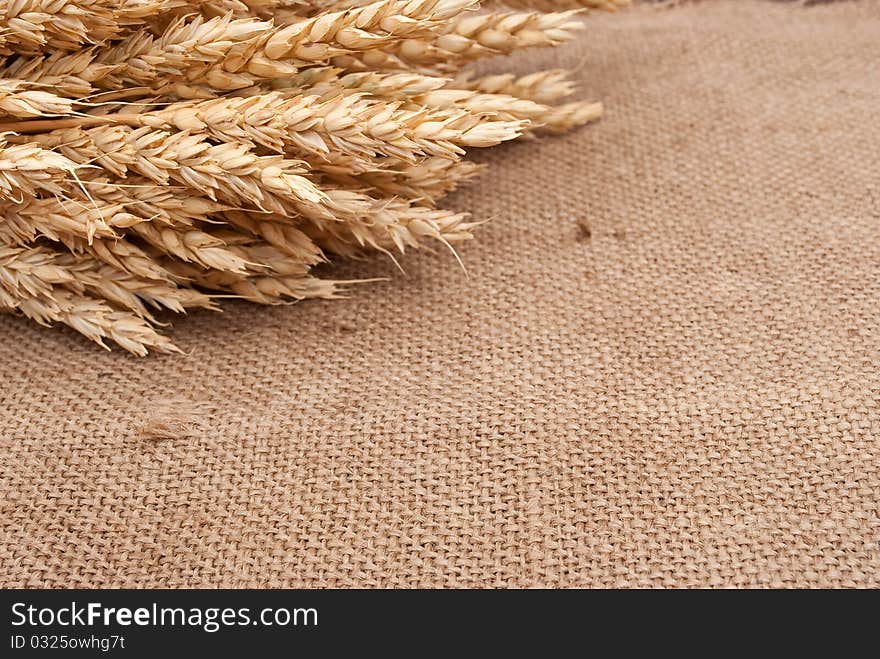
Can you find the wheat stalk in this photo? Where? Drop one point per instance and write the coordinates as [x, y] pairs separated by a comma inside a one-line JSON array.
[[551, 5], [543, 87], [155, 154], [29, 26], [26, 169]]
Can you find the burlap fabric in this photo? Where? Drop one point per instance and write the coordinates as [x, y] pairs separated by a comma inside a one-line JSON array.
[[662, 371]]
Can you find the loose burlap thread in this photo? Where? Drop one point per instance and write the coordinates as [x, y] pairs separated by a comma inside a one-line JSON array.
[[661, 371]]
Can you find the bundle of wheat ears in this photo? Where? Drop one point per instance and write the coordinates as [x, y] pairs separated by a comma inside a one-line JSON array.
[[162, 154]]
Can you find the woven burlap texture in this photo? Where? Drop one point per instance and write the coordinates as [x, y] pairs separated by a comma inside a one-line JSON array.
[[661, 371]]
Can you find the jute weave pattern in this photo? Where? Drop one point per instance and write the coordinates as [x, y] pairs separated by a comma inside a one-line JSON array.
[[662, 371]]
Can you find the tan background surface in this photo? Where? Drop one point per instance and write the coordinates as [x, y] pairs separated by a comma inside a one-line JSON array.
[[687, 396]]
